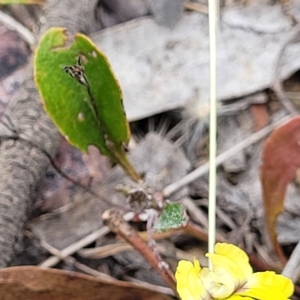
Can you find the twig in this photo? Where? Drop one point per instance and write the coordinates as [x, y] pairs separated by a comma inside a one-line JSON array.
[[108, 250], [151, 287], [196, 7], [195, 212], [53, 260], [202, 170], [103, 276], [225, 218], [12, 24], [117, 225], [283, 98], [105, 251], [292, 267], [78, 265], [200, 233], [71, 249]]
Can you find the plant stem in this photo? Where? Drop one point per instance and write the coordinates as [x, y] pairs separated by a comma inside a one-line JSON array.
[[212, 9]]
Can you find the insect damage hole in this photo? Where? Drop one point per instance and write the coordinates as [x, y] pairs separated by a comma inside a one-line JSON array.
[[77, 71], [93, 54], [80, 117]]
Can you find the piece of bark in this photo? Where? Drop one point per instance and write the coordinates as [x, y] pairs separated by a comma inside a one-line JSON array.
[[22, 163]]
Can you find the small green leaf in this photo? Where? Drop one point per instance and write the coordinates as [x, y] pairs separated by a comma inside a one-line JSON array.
[[68, 102], [173, 216]]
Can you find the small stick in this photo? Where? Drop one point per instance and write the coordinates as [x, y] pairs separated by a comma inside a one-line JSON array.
[[78, 265], [12, 24], [103, 276], [195, 212], [199, 233], [221, 158], [156, 288], [117, 224], [196, 7], [71, 249]]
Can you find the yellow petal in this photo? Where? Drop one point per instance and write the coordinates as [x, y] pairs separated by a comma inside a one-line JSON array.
[[231, 268], [189, 285], [237, 297], [267, 285]]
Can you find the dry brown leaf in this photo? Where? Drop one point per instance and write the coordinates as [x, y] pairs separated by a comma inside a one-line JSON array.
[[280, 161], [22, 1], [34, 283]]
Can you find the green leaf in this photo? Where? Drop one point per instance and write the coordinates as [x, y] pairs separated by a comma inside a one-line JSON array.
[[173, 216], [68, 102]]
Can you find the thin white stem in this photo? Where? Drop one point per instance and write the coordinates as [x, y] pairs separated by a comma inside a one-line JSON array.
[[12, 24], [212, 12], [53, 260]]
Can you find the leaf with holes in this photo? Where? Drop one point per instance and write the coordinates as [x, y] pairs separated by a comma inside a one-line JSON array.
[[87, 106], [280, 161], [68, 102]]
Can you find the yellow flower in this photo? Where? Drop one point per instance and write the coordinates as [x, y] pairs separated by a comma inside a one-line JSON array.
[[231, 278]]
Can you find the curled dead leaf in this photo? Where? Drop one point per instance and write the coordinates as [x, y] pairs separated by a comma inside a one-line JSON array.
[[280, 161]]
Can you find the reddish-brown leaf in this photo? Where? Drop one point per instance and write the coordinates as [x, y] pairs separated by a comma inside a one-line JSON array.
[[34, 283], [280, 161]]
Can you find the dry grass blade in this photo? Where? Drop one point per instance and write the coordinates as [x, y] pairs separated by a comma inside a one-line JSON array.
[[12, 24]]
